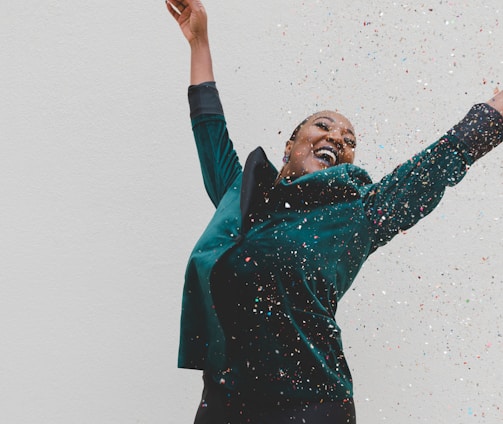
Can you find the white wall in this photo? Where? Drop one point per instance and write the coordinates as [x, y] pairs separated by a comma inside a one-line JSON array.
[[102, 198]]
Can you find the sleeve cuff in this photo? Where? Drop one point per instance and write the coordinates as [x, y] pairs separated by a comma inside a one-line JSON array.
[[479, 131], [204, 99]]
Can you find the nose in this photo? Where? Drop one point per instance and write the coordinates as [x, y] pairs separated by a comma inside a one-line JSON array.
[[335, 138]]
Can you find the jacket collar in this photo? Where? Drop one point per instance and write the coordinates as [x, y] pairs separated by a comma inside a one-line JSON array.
[[338, 184], [258, 180]]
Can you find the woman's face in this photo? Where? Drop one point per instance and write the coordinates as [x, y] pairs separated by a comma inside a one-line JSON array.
[[326, 139]]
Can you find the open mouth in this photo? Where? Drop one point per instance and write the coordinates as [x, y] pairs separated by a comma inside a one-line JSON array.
[[327, 155]]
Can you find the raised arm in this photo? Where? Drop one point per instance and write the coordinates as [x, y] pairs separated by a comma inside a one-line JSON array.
[[413, 189], [219, 162], [191, 17]]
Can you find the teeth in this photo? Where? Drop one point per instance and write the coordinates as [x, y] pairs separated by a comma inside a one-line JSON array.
[[325, 151]]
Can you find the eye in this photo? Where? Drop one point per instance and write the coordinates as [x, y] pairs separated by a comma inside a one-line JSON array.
[[350, 142], [322, 125]]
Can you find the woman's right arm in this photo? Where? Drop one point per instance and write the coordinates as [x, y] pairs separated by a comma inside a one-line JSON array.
[[219, 162]]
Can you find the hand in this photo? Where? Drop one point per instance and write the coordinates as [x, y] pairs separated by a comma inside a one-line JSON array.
[[191, 17], [497, 101]]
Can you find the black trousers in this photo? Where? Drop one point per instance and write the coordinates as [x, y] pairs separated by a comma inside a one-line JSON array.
[[219, 406]]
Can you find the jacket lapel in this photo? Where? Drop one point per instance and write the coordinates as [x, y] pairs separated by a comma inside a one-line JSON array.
[[258, 179]]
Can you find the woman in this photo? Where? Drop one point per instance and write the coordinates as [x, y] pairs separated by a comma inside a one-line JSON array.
[[263, 282]]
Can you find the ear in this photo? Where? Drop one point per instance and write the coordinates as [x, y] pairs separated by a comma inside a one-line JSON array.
[[288, 147]]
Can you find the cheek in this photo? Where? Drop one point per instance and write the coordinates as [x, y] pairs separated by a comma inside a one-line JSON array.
[[349, 155], [301, 153], [303, 162]]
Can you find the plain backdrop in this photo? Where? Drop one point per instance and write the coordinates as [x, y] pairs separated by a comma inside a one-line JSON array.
[[102, 198]]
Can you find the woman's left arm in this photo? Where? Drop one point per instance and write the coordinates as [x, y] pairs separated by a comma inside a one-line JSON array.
[[415, 188]]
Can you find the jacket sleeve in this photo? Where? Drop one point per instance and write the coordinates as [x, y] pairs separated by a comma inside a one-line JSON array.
[[219, 162], [415, 188]]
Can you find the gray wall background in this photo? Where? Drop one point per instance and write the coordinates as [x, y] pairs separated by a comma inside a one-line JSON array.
[[102, 199]]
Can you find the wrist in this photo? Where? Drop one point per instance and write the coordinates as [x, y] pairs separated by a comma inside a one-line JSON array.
[[479, 131], [199, 44]]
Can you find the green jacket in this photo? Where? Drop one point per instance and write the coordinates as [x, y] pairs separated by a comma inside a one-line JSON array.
[[263, 281]]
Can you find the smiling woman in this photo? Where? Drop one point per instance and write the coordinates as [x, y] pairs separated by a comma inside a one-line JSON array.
[[264, 280], [323, 140]]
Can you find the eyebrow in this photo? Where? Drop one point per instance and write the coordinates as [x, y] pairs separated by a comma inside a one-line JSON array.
[[349, 130]]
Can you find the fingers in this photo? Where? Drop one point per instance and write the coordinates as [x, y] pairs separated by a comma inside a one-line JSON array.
[[172, 9], [178, 5], [193, 5], [175, 8], [173, 12]]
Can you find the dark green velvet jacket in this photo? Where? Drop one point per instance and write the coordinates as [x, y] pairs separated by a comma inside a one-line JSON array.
[[263, 281]]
